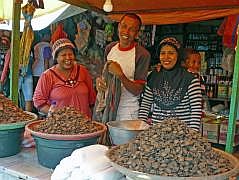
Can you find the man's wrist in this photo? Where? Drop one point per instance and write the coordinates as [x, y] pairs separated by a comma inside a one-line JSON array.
[[121, 76]]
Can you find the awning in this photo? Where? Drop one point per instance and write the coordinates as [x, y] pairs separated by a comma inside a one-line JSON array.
[[54, 11], [163, 11]]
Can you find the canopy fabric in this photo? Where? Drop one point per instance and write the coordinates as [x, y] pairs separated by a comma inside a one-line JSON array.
[[165, 12], [6, 7], [43, 21], [54, 11], [176, 17]]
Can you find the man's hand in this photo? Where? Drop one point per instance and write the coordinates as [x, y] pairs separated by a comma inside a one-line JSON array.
[[114, 68]]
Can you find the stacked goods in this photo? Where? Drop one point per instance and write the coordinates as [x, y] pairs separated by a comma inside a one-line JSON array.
[[170, 148], [67, 121], [9, 113], [223, 132]]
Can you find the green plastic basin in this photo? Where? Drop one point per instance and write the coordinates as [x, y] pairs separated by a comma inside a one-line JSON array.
[[11, 136], [52, 148], [50, 152], [10, 141]]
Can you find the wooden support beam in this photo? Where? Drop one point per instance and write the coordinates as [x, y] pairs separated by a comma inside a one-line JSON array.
[[15, 44]]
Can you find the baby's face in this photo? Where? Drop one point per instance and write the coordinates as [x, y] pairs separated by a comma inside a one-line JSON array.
[[193, 63]]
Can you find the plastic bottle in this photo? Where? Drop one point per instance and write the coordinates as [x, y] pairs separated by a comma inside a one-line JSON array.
[[52, 108]]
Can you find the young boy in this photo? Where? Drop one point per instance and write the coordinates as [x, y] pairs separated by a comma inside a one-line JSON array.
[[192, 60], [193, 64]]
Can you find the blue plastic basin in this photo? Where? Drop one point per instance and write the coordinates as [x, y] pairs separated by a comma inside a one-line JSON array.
[[10, 141]]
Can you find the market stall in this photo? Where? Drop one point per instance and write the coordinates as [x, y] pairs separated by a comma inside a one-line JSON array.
[[168, 12], [205, 11], [161, 12]]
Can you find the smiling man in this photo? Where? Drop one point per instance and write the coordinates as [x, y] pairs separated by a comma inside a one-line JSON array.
[[128, 62]]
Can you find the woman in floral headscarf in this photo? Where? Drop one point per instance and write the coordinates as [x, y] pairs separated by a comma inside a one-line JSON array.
[[172, 92]]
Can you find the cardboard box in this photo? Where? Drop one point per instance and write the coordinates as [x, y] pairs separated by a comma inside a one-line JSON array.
[[224, 126], [223, 133], [211, 129], [204, 120], [223, 138]]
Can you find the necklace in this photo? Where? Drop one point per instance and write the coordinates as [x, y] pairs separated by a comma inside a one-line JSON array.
[[69, 82]]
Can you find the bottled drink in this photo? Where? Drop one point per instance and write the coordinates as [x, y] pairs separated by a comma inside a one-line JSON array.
[[222, 88], [52, 108], [210, 92], [230, 88]]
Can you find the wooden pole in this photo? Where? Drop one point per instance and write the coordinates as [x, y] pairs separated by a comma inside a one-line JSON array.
[[234, 103], [15, 44]]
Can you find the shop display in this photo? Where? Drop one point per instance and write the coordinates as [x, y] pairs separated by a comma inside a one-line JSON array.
[[204, 39], [170, 148], [211, 128], [145, 36], [214, 128], [82, 36], [109, 31], [218, 84], [100, 38]]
